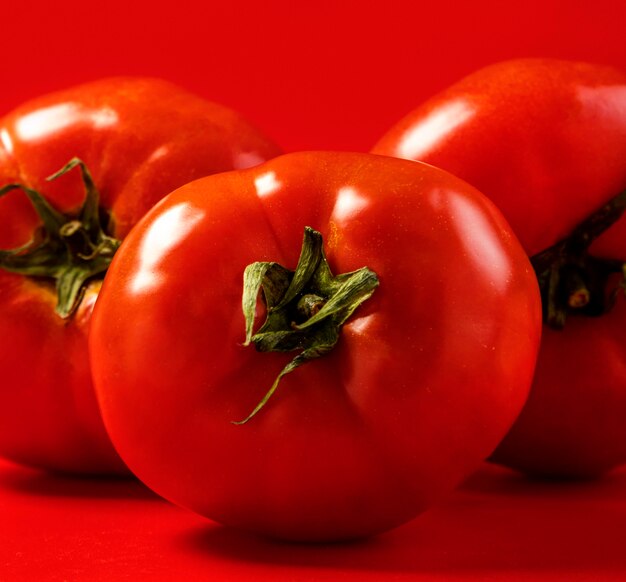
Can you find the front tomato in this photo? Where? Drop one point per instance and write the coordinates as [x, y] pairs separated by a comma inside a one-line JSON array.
[[140, 138], [546, 142], [440, 314]]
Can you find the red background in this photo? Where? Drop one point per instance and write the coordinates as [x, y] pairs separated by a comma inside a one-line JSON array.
[[323, 74], [314, 75]]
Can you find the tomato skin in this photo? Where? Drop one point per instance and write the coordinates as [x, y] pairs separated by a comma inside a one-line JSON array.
[[426, 378], [140, 138], [546, 142], [570, 426]]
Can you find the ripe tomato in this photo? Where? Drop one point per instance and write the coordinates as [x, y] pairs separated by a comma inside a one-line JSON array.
[[431, 366], [140, 139], [546, 141]]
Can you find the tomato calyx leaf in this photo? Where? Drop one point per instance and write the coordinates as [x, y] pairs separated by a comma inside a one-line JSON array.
[[306, 308], [71, 250], [570, 279]]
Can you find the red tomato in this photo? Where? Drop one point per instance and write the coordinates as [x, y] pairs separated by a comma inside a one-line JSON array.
[[546, 141], [427, 374], [140, 139]]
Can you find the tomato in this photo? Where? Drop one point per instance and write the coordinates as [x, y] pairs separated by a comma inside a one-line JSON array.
[[546, 142], [140, 139], [417, 362]]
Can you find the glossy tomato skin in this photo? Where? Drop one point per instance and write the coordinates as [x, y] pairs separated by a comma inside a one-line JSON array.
[[546, 142], [427, 376], [140, 138]]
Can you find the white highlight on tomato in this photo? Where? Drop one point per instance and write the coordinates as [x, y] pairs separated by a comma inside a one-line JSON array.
[[244, 160], [165, 233], [6, 141], [421, 138], [349, 202], [158, 153], [266, 184], [43, 122], [482, 241]]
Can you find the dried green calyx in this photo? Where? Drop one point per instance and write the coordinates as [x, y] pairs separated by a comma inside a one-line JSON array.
[[70, 250], [306, 308]]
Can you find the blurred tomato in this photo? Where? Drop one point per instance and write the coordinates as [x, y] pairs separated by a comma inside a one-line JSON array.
[[545, 140], [139, 138]]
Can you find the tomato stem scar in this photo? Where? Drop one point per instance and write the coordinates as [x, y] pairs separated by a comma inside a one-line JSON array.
[[306, 308]]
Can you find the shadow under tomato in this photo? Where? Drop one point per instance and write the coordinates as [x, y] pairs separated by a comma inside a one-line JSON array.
[[497, 522], [493, 478], [34, 482]]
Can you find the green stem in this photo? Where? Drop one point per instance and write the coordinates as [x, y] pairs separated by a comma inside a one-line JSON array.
[[70, 250], [306, 308]]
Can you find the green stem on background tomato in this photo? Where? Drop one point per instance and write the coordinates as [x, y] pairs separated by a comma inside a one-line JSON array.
[[573, 282], [306, 308], [69, 249]]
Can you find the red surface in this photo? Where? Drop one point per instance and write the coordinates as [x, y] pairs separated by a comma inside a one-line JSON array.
[[330, 74], [499, 526]]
